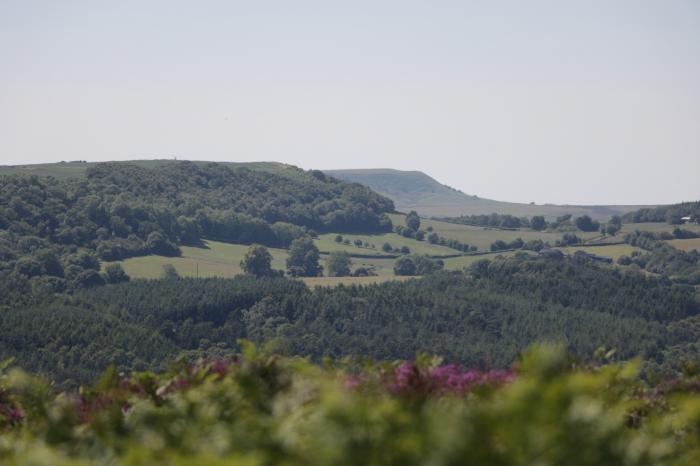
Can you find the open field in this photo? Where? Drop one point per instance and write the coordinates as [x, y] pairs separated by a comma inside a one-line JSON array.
[[483, 237], [686, 244], [656, 227], [326, 243], [459, 263], [223, 259], [219, 259]]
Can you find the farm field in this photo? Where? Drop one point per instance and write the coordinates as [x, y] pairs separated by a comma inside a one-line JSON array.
[[326, 243], [223, 259], [220, 259], [656, 227], [686, 244], [459, 263], [483, 237], [217, 259]]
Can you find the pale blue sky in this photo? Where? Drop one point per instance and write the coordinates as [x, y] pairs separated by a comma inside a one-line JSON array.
[[557, 101]]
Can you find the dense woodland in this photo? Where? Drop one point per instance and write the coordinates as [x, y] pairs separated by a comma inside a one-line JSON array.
[[56, 320], [671, 214], [482, 318], [663, 259], [56, 231]]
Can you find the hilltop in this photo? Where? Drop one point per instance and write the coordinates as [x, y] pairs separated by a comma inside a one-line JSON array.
[[79, 168], [415, 190]]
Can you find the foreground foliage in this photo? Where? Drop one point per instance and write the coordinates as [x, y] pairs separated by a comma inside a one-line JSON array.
[[260, 409]]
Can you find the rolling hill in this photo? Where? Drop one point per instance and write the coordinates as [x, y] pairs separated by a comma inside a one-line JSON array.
[[414, 190]]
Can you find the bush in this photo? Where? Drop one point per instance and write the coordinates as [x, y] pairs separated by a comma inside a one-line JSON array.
[[338, 264], [258, 408], [114, 273]]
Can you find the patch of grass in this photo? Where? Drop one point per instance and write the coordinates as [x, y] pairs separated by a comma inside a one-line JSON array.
[[326, 243], [216, 259], [655, 228], [482, 237], [459, 263], [686, 244]]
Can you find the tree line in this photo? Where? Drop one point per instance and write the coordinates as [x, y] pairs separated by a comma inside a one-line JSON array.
[[483, 317], [55, 232]]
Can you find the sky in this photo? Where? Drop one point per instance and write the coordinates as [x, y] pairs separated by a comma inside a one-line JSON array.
[[579, 102]]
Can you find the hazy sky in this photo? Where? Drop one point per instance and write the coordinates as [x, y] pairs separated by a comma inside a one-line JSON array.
[[559, 101]]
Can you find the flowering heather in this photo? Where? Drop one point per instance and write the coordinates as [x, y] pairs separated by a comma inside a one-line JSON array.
[[264, 409], [411, 379]]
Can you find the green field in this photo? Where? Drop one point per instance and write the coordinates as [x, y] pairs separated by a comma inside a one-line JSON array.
[[223, 259], [216, 259], [327, 243], [459, 263], [686, 244], [219, 259], [656, 227], [483, 237]]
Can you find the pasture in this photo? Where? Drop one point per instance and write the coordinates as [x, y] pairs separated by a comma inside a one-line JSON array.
[[482, 237], [219, 259], [686, 244], [216, 259], [657, 227], [326, 243]]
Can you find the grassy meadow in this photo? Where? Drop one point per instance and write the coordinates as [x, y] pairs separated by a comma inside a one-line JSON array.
[[215, 259], [482, 237], [223, 259], [326, 243], [218, 259], [686, 244]]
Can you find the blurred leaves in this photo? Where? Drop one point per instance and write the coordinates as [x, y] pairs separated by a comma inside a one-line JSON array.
[[262, 409]]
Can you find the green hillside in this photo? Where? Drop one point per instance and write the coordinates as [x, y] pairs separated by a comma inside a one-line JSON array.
[[62, 170], [414, 190]]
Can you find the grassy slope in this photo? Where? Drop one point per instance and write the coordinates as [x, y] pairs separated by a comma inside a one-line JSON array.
[[686, 244], [222, 259], [410, 190], [326, 243], [483, 237], [219, 259], [413, 190]]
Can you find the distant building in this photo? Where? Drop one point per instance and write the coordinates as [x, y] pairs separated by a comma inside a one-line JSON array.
[[687, 220]]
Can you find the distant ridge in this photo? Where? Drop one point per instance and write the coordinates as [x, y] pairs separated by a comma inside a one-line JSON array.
[[410, 190], [415, 190]]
